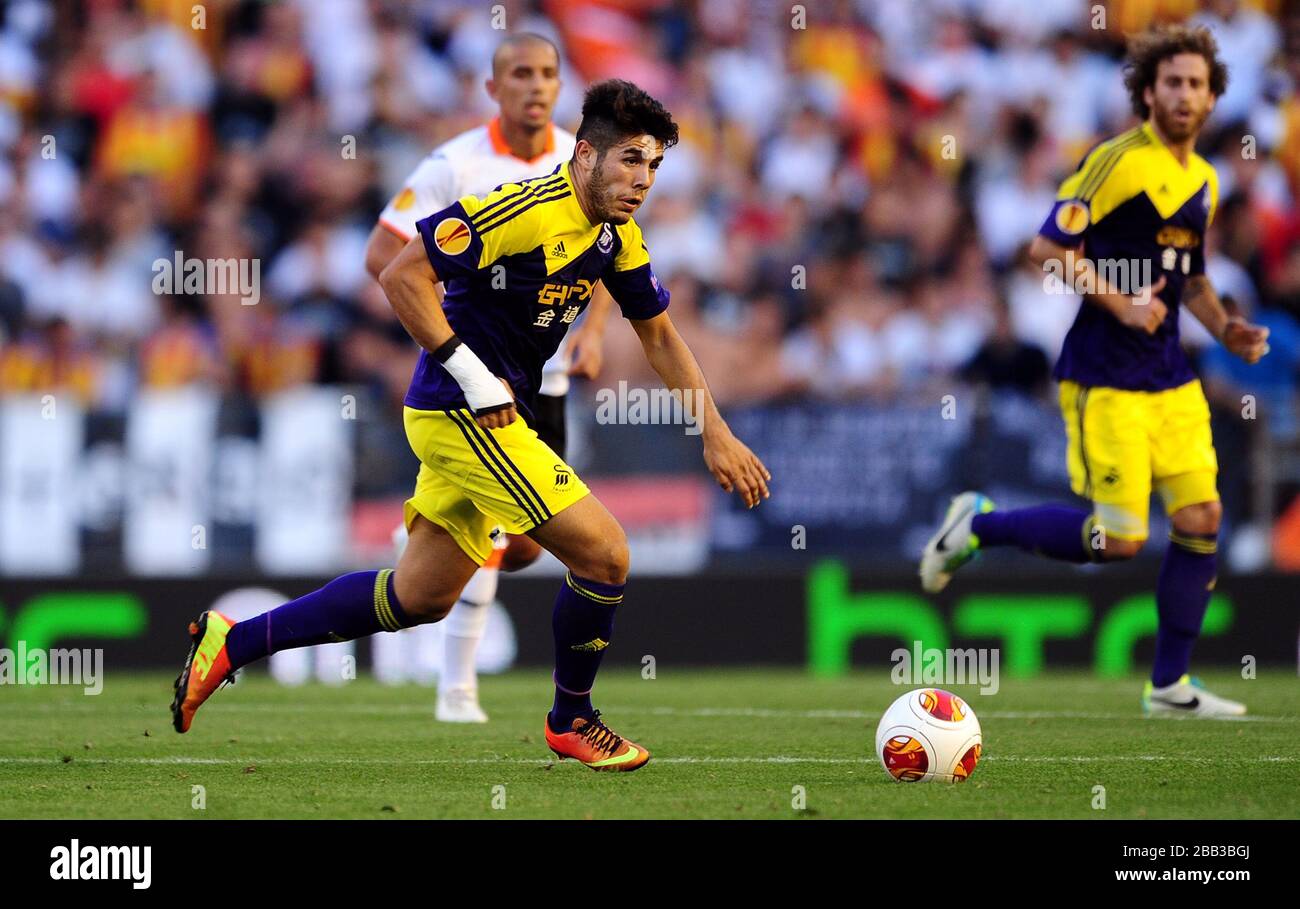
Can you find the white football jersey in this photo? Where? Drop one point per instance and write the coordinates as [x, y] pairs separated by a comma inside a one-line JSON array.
[[473, 164]]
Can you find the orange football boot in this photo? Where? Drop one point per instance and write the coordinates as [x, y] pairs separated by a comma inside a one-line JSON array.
[[206, 668], [593, 743]]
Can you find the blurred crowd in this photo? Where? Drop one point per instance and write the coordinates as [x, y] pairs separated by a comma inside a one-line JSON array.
[[846, 216]]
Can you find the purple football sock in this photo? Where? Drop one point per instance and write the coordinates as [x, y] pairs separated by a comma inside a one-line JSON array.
[[1182, 596], [583, 623], [348, 607], [1055, 531]]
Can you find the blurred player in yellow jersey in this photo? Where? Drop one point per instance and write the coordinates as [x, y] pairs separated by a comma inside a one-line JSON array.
[[519, 266], [520, 142], [1136, 419]]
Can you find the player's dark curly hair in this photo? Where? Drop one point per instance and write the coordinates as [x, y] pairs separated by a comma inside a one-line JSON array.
[[1146, 51], [615, 109]]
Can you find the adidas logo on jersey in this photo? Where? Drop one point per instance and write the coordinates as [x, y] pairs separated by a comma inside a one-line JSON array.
[[558, 252]]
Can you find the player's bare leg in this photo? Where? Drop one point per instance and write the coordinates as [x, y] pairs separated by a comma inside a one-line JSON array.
[[432, 572], [521, 551], [592, 545], [426, 583], [588, 540]]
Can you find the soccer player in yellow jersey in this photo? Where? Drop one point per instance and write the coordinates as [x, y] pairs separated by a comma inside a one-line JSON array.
[[518, 267], [1135, 416], [519, 143]]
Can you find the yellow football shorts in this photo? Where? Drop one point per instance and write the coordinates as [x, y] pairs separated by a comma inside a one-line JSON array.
[[473, 480], [1124, 443]]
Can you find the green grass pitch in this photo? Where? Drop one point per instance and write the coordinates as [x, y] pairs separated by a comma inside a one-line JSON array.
[[726, 744]]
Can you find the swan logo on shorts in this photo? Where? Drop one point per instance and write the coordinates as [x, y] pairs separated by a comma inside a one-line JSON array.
[[451, 236], [562, 475], [1072, 217]]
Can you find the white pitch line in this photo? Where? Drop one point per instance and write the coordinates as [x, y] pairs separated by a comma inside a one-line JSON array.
[[773, 759], [699, 712], [868, 715], [181, 761]]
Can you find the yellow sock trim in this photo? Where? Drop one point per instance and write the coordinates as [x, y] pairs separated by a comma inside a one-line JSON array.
[[590, 594], [383, 610], [1194, 544]]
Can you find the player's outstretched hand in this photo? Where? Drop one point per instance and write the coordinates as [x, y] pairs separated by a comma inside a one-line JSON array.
[[1250, 342], [737, 469], [1145, 311], [498, 419]]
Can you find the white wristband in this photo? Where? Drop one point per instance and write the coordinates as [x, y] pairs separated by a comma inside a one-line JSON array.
[[483, 391]]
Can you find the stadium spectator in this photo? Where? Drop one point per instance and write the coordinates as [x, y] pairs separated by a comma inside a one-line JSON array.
[[845, 213]]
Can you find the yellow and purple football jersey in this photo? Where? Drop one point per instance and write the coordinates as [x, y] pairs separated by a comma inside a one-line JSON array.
[[519, 266], [1137, 211]]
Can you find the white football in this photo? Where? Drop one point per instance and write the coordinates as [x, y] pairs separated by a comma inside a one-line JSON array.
[[929, 735]]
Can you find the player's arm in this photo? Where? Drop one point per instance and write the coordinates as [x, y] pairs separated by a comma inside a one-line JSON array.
[[644, 303], [410, 283], [1083, 198], [382, 247], [588, 338], [1250, 342], [730, 461], [1143, 311]]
